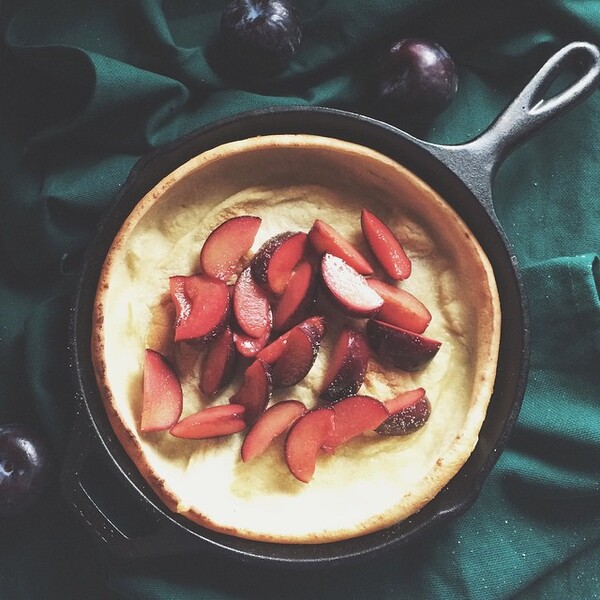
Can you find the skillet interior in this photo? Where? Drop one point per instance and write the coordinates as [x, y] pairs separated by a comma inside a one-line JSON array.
[[461, 491]]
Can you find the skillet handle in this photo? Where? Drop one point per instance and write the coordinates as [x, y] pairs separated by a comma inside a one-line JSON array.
[[524, 116], [129, 526]]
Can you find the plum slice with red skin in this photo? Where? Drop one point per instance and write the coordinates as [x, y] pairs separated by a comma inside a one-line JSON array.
[[274, 350], [305, 439], [298, 297], [385, 246], [251, 306], [298, 355], [325, 239], [274, 263], [409, 411], [354, 416], [314, 327], [248, 346], [404, 399], [214, 421], [255, 390], [202, 306], [162, 396], [218, 366], [226, 245], [348, 289], [403, 349], [347, 365], [400, 308], [276, 419]]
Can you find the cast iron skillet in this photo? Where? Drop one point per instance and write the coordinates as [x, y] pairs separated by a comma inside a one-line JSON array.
[[101, 482]]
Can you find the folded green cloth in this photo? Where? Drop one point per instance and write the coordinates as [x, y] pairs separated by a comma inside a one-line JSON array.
[[88, 87]]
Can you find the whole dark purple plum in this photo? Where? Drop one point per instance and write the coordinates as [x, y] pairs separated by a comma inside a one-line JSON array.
[[24, 468], [416, 78], [259, 37]]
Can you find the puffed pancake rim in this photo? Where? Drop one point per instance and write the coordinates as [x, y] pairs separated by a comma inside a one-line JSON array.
[[371, 482]]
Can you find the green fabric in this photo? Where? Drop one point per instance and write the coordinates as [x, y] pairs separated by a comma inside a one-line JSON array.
[[88, 86]]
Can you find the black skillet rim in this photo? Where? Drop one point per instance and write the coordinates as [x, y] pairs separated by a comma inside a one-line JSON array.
[[385, 138]]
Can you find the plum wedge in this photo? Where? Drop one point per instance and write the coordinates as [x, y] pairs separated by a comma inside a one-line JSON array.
[[403, 349], [348, 289], [314, 327], [277, 419], [255, 391], [251, 306], [264, 314], [409, 411], [299, 352], [214, 421], [249, 346], [353, 416], [325, 238], [218, 366], [304, 441], [273, 264], [385, 246], [227, 244], [347, 365], [202, 306], [273, 351], [400, 308], [404, 399], [162, 397], [299, 296]]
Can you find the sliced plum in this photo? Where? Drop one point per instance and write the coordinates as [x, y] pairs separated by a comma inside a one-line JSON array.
[[298, 297], [214, 421], [348, 289], [326, 239], [202, 306], [162, 396], [404, 399], [227, 244], [276, 420], [218, 366], [385, 246], [297, 358], [304, 441], [255, 391], [249, 346], [273, 351], [403, 349], [274, 263], [354, 416], [400, 308], [315, 326], [409, 411], [251, 306], [347, 365]]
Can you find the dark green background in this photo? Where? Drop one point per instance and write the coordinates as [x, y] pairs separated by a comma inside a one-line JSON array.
[[86, 87]]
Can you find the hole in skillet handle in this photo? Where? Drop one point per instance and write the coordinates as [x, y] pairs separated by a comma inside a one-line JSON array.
[[477, 161]]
